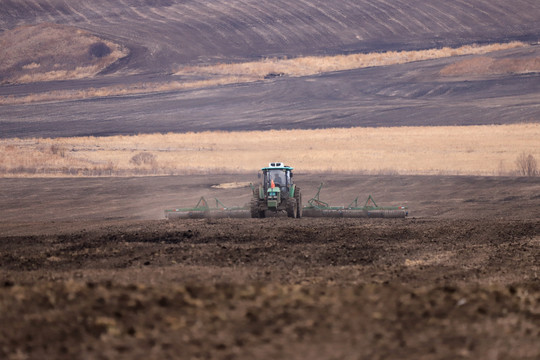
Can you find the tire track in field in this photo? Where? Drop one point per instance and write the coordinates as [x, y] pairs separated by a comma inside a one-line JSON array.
[[380, 18], [400, 17], [278, 31], [54, 11], [445, 20], [193, 16], [74, 10]]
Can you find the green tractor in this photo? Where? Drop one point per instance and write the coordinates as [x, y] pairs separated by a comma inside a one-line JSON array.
[[276, 193]]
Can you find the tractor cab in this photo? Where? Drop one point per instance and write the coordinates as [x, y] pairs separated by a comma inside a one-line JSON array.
[[277, 176], [277, 192]]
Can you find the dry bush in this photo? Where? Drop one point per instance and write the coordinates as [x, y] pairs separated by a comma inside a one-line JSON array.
[[99, 50], [58, 150], [143, 158], [527, 165]]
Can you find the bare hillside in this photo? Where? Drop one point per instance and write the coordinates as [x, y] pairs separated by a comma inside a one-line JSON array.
[[163, 33], [144, 91], [400, 95]]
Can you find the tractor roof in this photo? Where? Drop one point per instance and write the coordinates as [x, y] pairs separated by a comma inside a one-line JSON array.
[[277, 166]]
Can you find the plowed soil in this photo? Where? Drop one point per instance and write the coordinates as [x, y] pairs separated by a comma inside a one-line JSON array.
[[454, 284]]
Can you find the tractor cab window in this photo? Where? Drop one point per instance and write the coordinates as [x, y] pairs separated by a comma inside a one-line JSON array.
[[278, 176]]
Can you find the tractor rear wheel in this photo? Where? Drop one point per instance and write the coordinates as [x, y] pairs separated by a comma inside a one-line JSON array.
[[291, 208]]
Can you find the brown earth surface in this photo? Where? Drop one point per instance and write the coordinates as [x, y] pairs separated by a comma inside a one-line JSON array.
[[90, 269]]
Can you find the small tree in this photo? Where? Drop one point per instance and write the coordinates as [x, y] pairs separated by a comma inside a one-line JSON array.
[[527, 165]]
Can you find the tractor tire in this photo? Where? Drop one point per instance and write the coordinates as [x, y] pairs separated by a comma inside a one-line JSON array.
[[291, 207], [298, 197]]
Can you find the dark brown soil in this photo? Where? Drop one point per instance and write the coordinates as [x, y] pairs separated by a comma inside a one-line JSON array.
[[457, 284]]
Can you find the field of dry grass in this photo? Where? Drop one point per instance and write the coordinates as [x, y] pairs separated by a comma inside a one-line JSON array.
[[462, 150], [245, 72]]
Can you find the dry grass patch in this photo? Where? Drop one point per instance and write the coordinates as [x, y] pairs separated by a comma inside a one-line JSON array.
[[464, 150], [483, 65], [311, 65], [48, 52], [133, 89], [233, 185]]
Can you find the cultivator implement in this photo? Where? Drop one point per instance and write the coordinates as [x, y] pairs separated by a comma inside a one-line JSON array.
[[278, 194], [204, 210], [318, 208]]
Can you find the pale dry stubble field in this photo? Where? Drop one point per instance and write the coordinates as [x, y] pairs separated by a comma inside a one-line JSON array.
[[445, 150]]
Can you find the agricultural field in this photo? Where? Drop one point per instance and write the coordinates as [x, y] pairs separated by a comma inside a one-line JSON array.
[[113, 111], [86, 274]]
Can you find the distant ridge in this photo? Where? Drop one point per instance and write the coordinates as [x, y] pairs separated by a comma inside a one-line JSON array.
[[164, 33], [164, 37]]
